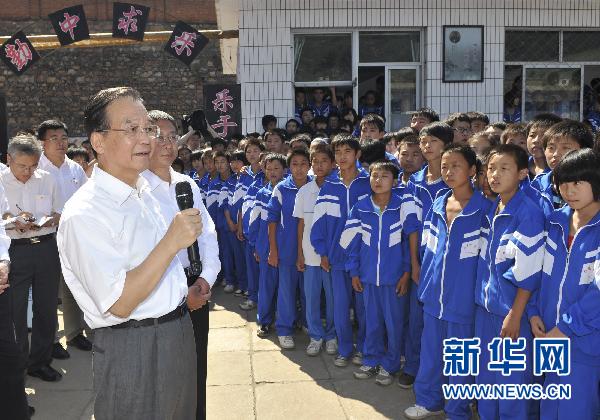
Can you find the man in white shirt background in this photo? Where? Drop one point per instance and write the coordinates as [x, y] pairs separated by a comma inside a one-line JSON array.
[[69, 176], [33, 195], [162, 179], [119, 260]]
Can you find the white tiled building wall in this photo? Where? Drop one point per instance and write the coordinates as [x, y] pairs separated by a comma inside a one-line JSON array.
[[266, 44]]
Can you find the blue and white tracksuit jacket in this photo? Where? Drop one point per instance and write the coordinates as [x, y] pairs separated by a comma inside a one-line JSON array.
[[245, 179], [544, 183], [447, 284], [212, 198], [259, 234], [280, 210], [512, 253], [245, 205], [569, 297], [374, 245], [203, 184], [424, 194], [333, 205], [537, 197]]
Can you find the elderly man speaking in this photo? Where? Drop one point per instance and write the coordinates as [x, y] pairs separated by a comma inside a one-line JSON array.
[[119, 261]]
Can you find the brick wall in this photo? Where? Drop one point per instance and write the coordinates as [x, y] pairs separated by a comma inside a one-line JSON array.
[[58, 85]]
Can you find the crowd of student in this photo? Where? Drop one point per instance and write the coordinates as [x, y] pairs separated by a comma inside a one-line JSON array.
[[383, 245]]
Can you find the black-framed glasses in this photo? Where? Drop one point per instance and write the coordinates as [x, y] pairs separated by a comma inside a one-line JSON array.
[[152, 131], [174, 138]]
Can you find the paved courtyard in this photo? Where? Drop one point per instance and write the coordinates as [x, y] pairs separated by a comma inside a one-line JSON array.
[[248, 378]]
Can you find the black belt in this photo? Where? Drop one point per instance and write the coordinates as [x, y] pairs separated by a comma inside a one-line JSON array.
[[33, 240], [176, 313]]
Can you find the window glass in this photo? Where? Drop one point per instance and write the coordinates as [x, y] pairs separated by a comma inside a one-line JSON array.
[[531, 46], [387, 47], [323, 57], [581, 46], [554, 90]]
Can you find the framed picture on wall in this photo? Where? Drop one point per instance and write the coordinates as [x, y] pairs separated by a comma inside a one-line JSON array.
[[463, 54]]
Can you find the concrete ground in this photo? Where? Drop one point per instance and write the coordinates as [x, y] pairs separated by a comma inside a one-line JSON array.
[[248, 378]]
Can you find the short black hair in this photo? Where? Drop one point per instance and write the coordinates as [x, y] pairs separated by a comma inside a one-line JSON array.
[[320, 119], [385, 165], [50, 125], [216, 141], [345, 140], [196, 155], [222, 154], [543, 121], [464, 150], [276, 157], [479, 116], [517, 153], [426, 112], [306, 109], [515, 129], [346, 111], [297, 152], [292, 120], [239, 155], [501, 125], [441, 130], [372, 151], [579, 165], [375, 119], [282, 134], [268, 119], [156, 115], [457, 116], [321, 148], [301, 137], [94, 114], [252, 141], [403, 134], [573, 129], [177, 161], [74, 152]]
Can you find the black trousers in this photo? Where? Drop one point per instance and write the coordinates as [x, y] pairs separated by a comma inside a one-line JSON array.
[[37, 266], [13, 401], [200, 322]]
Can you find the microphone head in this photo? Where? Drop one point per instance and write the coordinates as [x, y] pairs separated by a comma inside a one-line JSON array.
[[184, 195]]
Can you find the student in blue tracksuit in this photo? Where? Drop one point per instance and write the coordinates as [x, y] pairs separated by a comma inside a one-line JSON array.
[[213, 191], [237, 162], [372, 127], [423, 186], [451, 237], [225, 246], [509, 269], [268, 276], [536, 128], [243, 201], [337, 196], [316, 280], [560, 139], [211, 172], [283, 245], [198, 172], [380, 268], [567, 304]]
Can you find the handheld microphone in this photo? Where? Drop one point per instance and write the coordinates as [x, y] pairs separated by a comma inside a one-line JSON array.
[[185, 200]]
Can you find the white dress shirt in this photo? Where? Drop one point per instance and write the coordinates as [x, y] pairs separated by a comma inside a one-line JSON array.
[[69, 177], [107, 229], [4, 239], [304, 208], [207, 241], [40, 196]]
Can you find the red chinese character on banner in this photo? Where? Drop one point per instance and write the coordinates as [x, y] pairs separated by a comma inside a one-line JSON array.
[[69, 24], [225, 124], [184, 42], [19, 55], [129, 23], [223, 101]]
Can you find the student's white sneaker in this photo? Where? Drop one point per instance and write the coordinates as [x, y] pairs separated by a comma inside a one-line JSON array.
[[331, 346], [384, 378], [247, 305], [286, 342], [357, 358], [417, 412], [314, 347], [340, 361], [366, 372], [229, 288]]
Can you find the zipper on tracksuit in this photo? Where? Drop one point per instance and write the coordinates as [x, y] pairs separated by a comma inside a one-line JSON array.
[[486, 290], [379, 245]]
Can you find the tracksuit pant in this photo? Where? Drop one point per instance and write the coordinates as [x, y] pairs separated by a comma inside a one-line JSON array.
[[342, 302], [239, 260], [585, 387], [430, 378], [316, 280], [384, 312], [226, 256], [252, 272], [267, 292], [415, 330], [290, 280], [487, 327]]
